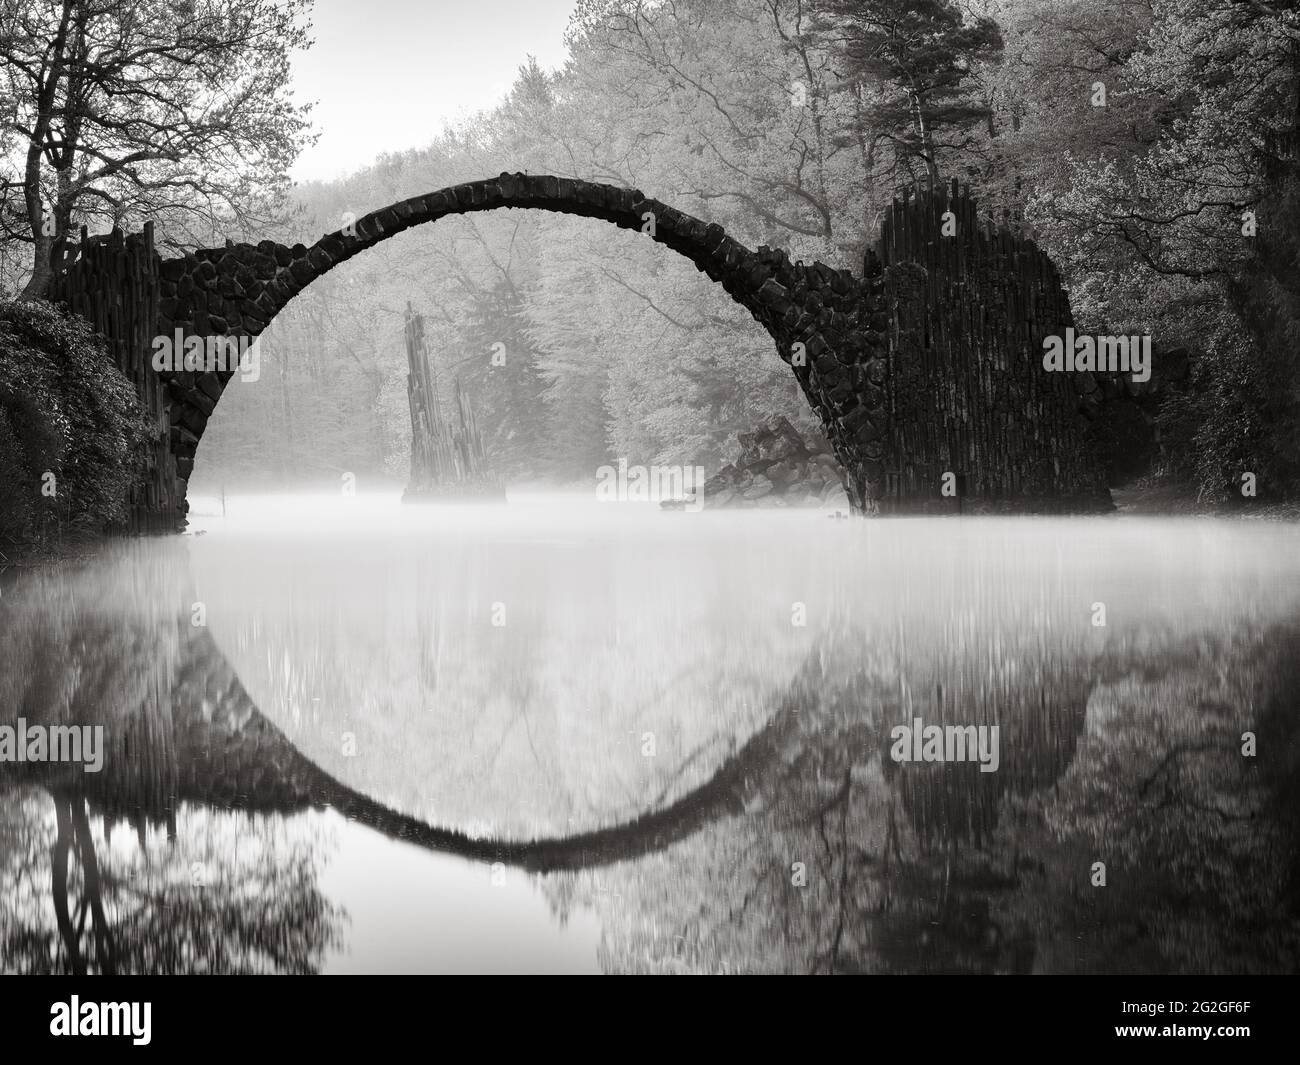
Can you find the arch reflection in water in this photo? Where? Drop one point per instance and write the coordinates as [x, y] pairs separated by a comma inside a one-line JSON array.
[[774, 834]]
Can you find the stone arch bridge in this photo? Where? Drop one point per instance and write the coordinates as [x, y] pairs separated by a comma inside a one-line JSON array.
[[925, 364]]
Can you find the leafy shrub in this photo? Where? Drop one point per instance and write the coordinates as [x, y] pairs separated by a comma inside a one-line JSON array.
[[65, 409], [1229, 418]]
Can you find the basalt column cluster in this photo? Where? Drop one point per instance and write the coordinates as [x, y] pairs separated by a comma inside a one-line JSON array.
[[976, 422], [112, 282]]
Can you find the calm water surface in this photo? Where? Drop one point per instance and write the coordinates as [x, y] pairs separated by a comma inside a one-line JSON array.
[[342, 735]]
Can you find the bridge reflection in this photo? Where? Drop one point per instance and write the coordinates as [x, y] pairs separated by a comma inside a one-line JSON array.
[[809, 846]]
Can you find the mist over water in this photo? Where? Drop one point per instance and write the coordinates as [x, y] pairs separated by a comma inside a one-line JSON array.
[[364, 712]]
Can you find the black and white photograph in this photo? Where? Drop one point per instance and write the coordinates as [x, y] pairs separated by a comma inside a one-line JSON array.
[[651, 487]]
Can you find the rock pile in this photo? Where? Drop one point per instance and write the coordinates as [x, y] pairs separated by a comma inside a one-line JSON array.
[[777, 468]]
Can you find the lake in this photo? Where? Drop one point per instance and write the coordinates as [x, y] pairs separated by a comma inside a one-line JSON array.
[[344, 735]]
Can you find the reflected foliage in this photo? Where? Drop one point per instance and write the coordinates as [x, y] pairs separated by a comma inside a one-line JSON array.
[[189, 888]]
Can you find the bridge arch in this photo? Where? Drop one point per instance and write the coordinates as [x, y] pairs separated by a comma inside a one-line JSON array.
[[821, 320], [925, 371]]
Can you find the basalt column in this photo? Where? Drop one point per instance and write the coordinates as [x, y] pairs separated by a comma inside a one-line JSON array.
[[976, 422], [113, 282]]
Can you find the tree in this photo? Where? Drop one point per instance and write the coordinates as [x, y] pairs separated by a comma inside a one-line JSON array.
[[505, 383], [727, 109], [921, 55], [1172, 213], [178, 110]]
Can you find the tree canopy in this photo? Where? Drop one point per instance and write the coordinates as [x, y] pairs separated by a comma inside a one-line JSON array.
[[116, 111]]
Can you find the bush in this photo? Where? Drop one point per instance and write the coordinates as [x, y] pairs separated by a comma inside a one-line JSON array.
[[1227, 419], [65, 410]]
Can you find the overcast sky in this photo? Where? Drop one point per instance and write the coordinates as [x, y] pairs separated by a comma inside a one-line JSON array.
[[386, 74]]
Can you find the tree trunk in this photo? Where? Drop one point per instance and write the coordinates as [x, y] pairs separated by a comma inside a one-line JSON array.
[[42, 243]]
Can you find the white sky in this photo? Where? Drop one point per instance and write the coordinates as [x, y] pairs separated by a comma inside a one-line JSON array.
[[387, 74]]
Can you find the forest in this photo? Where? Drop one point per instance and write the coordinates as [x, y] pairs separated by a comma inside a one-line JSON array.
[[1150, 146]]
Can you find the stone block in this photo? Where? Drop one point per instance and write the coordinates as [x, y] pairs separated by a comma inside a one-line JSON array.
[[204, 404], [210, 385]]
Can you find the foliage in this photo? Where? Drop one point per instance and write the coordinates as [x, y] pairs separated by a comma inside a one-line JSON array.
[[789, 124], [1173, 207], [122, 110], [503, 376], [67, 411], [920, 57]]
